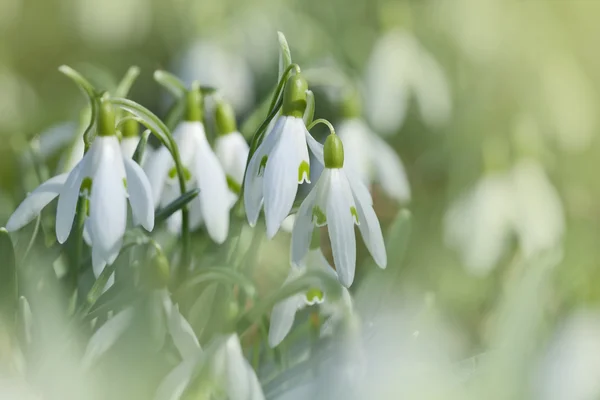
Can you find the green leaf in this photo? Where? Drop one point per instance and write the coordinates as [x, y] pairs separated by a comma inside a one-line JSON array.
[[127, 82], [24, 322], [175, 113], [201, 310], [141, 147], [176, 205], [285, 56], [170, 82], [8, 277]]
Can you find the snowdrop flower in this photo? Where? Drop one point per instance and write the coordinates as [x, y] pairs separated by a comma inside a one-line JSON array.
[[521, 202], [398, 67], [340, 202], [284, 312], [372, 159], [230, 146], [204, 171], [106, 179], [281, 162], [130, 138]]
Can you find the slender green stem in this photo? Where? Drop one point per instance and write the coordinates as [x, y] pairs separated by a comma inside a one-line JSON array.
[[81, 214], [321, 121], [127, 82]]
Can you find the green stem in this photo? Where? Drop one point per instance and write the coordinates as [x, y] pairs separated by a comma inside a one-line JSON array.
[[321, 121], [127, 81]]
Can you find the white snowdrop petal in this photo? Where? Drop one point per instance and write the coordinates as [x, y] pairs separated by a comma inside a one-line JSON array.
[[106, 336], [182, 333], [390, 172], [129, 145], [282, 319], [157, 168], [242, 383], [431, 90], [108, 202], [35, 202], [175, 383], [214, 192], [303, 229], [232, 151], [67, 200], [281, 182], [315, 147], [299, 134], [341, 227], [357, 139], [253, 181], [98, 265], [140, 195]]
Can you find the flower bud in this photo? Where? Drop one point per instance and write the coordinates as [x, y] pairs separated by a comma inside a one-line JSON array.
[[333, 152], [106, 119], [294, 96], [225, 118], [156, 275], [194, 105], [130, 128]]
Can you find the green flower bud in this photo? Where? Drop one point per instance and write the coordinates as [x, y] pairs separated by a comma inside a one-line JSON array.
[[225, 118], [194, 105], [130, 128], [333, 152], [106, 119], [157, 275], [294, 96]]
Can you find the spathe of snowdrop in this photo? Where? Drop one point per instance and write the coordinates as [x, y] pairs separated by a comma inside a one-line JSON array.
[[521, 201], [340, 201], [372, 159], [284, 312], [212, 204], [230, 146], [281, 162], [104, 178], [398, 68], [130, 138]]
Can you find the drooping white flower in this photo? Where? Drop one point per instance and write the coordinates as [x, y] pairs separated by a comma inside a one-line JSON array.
[[204, 171], [372, 159], [128, 145], [284, 312], [398, 68], [521, 202], [281, 162], [107, 180], [340, 202]]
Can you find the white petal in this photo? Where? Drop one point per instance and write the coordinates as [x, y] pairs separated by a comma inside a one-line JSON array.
[[157, 168], [232, 151], [253, 180], [390, 171], [182, 333], [98, 265], [242, 383], [358, 143], [299, 134], [369, 225], [140, 195], [86, 232], [129, 145], [175, 383], [341, 227], [303, 229], [431, 90], [281, 181], [214, 192], [108, 202], [35, 202], [106, 336], [67, 200], [315, 147]]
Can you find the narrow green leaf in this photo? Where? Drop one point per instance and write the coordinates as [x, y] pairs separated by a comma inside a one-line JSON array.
[[176, 205], [8, 277], [25, 322], [141, 147], [127, 82], [170, 82], [285, 56], [175, 113]]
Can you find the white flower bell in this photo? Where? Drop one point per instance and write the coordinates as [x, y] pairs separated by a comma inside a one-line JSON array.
[[281, 162], [230, 146], [107, 180], [204, 171], [284, 312], [340, 202], [130, 138]]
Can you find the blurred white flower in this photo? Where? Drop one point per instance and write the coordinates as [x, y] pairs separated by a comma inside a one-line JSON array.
[[280, 163], [204, 171], [398, 68], [106, 179], [212, 65], [284, 312], [372, 159], [340, 202], [522, 202], [571, 368]]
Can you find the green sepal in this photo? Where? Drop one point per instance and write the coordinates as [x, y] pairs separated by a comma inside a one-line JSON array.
[[294, 96], [225, 118], [333, 152]]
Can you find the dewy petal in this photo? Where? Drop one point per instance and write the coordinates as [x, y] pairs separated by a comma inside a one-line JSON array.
[[35, 202], [390, 171], [232, 151], [253, 181], [67, 200], [368, 223], [341, 226], [157, 168], [281, 180], [303, 229], [140, 195], [214, 192], [108, 202]]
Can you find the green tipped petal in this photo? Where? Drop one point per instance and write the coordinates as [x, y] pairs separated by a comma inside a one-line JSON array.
[[318, 216], [333, 152], [263, 164], [294, 96], [303, 171], [354, 214], [314, 296]]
